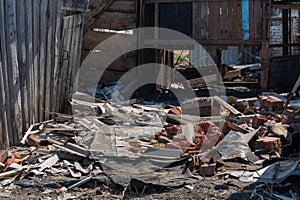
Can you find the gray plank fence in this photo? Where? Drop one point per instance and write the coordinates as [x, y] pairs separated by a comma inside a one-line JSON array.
[[40, 42]]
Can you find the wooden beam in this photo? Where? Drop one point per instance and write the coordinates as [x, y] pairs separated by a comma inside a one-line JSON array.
[[206, 42], [285, 32], [284, 7], [281, 45], [264, 66], [227, 106]]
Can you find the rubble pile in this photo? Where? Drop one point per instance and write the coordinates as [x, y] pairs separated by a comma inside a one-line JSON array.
[[106, 149]]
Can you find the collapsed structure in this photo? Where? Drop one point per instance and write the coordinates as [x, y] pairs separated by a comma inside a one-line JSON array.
[[106, 132]]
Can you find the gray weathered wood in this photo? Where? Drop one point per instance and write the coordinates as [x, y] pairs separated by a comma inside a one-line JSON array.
[[32, 78], [4, 142], [75, 5], [43, 52], [13, 68], [75, 50], [57, 68], [49, 61], [36, 53], [4, 72], [29, 59], [21, 45]]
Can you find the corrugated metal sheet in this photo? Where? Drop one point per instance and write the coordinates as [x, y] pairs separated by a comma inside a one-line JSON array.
[[176, 16]]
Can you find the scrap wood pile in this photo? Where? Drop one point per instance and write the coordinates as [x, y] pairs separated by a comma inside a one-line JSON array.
[[117, 148]]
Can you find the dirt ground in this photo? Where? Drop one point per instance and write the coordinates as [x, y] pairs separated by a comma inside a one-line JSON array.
[[207, 188]]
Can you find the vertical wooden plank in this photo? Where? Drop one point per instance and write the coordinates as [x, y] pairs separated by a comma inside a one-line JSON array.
[[217, 20], [36, 53], [75, 51], [4, 139], [235, 21], [257, 20], [29, 59], [66, 40], [200, 20], [13, 68], [21, 35], [230, 19], [69, 43], [43, 52], [265, 65], [50, 57], [57, 49], [285, 32], [5, 84], [78, 54]]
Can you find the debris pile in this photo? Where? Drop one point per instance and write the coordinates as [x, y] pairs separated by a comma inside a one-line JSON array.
[[117, 148]]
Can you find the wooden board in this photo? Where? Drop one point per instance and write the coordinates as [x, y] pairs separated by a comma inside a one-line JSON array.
[[115, 21], [75, 5], [122, 6], [4, 79], [13, 69], [30, 67], [200, 20]]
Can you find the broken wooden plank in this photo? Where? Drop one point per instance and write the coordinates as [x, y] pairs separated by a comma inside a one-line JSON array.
[[48, 163], [236, 127], [29, 131], [80, 182], [227, 106]]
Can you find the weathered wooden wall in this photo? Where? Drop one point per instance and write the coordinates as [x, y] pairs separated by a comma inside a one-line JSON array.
[[111, 15], [40, 50]]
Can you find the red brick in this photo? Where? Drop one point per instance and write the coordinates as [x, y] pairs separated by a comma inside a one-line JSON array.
[[259, 120], [175, 111], [271, 102], [207, 169], [269, 143]]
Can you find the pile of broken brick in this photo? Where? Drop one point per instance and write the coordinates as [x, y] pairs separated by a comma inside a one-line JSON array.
[[249, 139]]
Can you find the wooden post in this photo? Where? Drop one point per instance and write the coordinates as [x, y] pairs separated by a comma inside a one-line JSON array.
[[285, 32], [265, 65]]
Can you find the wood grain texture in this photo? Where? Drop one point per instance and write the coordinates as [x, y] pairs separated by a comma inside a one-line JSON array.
[[30, 63]]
